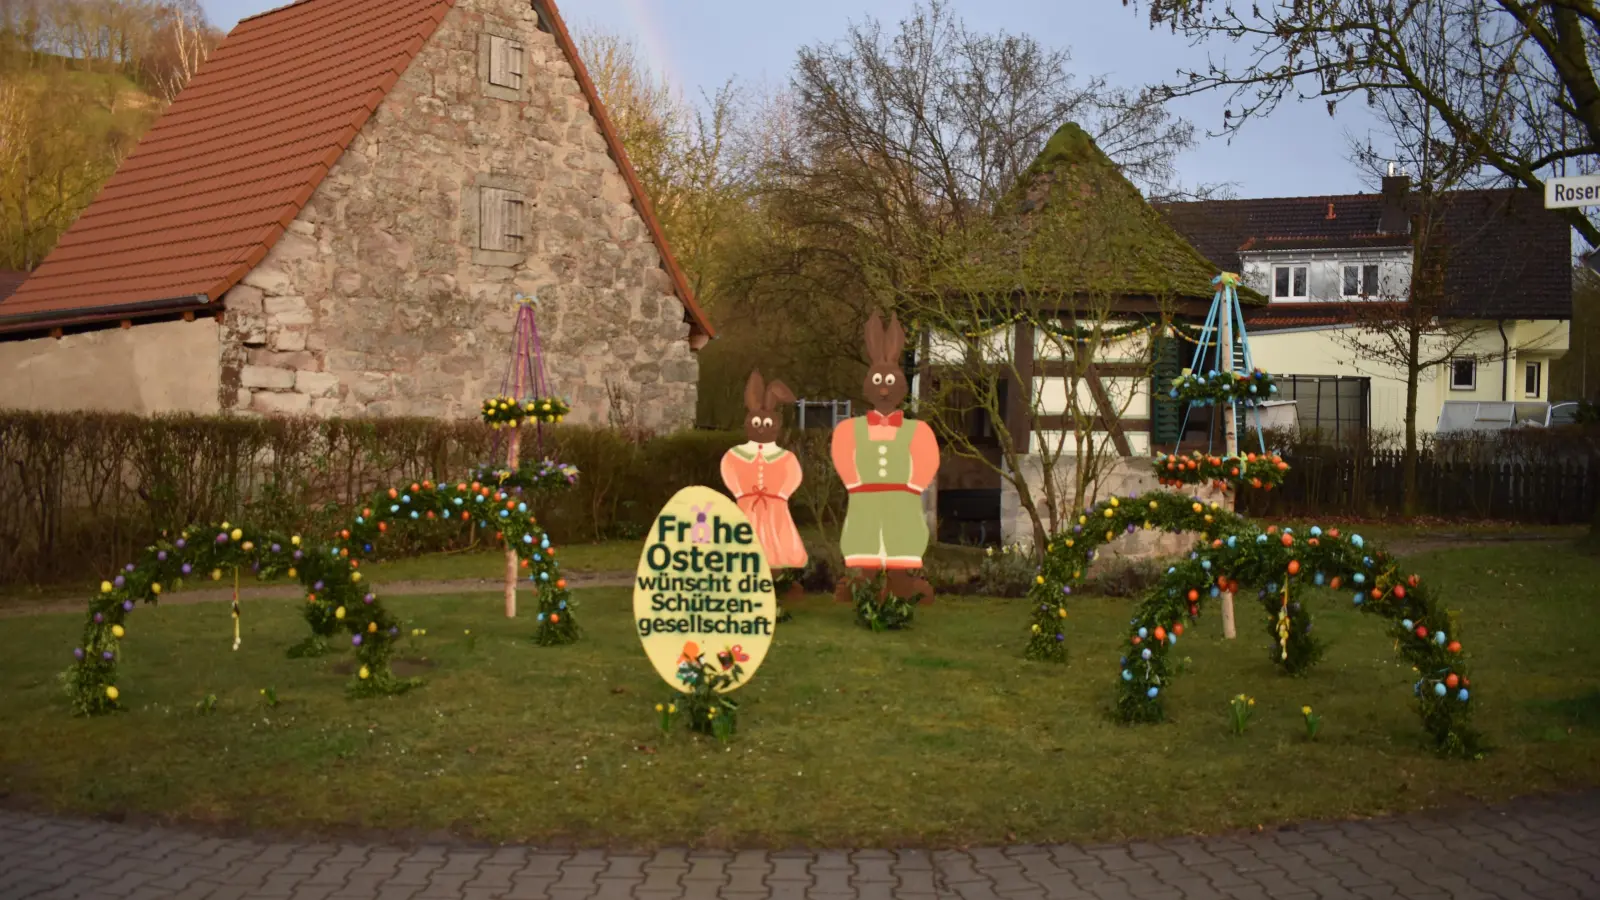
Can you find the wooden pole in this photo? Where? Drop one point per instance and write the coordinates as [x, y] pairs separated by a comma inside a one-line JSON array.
[[1230, 431], [511, 553]]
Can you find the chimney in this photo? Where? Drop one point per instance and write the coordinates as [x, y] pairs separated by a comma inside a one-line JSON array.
[[1394, 219]]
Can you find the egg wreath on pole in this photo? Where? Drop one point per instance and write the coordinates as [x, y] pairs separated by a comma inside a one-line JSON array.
[[1233, 552]]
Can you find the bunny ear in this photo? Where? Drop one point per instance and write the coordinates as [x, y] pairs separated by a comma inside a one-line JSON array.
[[894, 340], [778, 392], [754, 393], [874, 337]]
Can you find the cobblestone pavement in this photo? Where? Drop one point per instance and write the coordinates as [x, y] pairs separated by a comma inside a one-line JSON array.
[[1544, 849]]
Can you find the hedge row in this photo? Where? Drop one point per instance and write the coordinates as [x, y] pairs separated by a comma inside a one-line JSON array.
[[81, 491]]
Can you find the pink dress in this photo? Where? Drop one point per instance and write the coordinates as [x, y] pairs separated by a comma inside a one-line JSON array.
[[761, 478]]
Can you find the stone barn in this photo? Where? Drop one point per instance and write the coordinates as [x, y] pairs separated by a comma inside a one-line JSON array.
[[334, 217]]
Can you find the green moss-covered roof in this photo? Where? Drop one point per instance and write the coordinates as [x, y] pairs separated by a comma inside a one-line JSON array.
[[1074, 226]]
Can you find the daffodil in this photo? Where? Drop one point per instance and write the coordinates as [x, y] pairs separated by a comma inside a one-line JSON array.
[[1305, 710]]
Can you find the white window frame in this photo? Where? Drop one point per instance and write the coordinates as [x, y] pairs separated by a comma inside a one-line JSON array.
[[1363, 287], [1536, 369], [1291, 268], [1457, 360]]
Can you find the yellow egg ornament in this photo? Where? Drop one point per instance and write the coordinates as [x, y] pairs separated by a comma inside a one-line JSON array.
[[339, 613], [111, 692], [155, 588], [216, 574], [105, 587], [236, 534], [117, 631], [295, 540], [355, 576], [365, 673], [372, 627]]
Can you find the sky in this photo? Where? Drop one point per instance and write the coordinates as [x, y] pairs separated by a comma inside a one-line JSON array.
[[700, 44]]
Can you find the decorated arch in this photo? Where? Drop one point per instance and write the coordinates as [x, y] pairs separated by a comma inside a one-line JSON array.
[[337, 600], [1231, 554]]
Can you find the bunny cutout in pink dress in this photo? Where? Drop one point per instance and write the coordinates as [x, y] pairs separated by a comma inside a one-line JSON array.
[[762, 477]]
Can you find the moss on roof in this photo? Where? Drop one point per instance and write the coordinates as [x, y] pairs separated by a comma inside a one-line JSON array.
[[1074, 225]]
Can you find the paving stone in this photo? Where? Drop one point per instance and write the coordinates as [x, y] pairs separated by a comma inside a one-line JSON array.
[[1544, 850]]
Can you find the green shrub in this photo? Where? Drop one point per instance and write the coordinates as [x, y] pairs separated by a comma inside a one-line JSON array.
[[81, 492]]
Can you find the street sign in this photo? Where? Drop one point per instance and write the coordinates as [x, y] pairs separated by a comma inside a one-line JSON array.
[[1570, 191]]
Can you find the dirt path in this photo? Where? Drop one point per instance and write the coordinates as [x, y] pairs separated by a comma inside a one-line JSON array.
[[288, 591], [1405, 547]]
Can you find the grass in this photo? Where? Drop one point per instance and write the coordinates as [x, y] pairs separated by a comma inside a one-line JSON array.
[[937, 735]]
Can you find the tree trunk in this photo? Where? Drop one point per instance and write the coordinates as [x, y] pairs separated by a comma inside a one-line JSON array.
[[1408, 503]]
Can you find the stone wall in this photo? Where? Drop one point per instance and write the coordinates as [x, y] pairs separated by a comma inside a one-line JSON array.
[[379, 301], [162, 367], [1123, 477]]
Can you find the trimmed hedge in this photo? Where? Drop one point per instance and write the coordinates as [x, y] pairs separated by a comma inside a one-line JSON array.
[[80, 491]]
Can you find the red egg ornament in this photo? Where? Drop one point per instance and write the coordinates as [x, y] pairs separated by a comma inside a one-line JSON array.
[[1399, 592], [1294, 567], [1422, 631], [1454, 646]]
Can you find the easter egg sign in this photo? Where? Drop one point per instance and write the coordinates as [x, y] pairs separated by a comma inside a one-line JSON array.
[[703, 595]]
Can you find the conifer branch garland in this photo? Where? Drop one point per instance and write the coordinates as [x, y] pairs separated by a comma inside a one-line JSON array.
[[335, 595], [1233, 552]]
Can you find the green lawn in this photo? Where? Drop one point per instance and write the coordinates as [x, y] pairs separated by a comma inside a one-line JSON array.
[[938, 735]]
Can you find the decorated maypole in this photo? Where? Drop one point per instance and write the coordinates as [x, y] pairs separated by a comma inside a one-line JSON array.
[[524, 397], [1226, 386]]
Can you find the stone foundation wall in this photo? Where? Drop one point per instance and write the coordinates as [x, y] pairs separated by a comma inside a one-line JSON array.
[[1123, 477], [379, 300]]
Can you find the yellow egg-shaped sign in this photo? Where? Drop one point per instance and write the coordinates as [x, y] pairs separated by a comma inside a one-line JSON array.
[[703, 600]]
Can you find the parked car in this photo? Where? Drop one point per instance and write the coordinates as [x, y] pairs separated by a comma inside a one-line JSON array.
[[1564, 414], [1472, 415]]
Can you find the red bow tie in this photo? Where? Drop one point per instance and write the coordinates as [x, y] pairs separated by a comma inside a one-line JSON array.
[[877, 418]]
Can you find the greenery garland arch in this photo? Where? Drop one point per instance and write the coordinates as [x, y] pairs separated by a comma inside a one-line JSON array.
[[1232, 552], [336, 598]]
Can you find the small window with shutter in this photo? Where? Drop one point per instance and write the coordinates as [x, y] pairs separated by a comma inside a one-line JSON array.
[[505, 63], [501, 222]]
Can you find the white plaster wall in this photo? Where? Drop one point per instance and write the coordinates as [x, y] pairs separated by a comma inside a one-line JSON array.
[[1328, 352], [155, 368], [1121, 477]]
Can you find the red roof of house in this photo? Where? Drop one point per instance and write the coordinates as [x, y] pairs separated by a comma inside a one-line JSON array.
[[219, 177], [10, 281]]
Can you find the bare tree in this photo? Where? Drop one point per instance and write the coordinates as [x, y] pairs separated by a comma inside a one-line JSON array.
[[1416, 326], [1518, 87], [188, 41]]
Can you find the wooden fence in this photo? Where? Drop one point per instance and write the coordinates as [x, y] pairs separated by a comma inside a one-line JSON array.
[[1558, 490]]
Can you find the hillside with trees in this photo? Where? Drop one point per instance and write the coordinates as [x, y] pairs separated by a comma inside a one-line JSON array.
[[80, 82]]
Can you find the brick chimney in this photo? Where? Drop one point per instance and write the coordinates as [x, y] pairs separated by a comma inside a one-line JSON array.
[[1394, 219]]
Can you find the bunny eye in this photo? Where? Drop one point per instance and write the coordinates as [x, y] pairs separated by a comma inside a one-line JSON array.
[[877, 378], [888, 379], [755, 421], [766, 423]]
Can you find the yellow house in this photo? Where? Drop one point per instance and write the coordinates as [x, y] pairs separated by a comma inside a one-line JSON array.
[[1329, 265]]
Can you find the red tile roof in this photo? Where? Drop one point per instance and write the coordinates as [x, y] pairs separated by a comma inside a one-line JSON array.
[[10, 281], [212, 186], [1283, 316]]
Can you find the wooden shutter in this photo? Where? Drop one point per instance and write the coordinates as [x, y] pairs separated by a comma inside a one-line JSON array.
[[1166, 414], [511, 211], [505, 62], [501, 225], [514, 64], [492, 224]]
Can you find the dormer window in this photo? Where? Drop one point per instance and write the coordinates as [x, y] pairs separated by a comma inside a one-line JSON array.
[[1289, 282], [1360, 281]]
